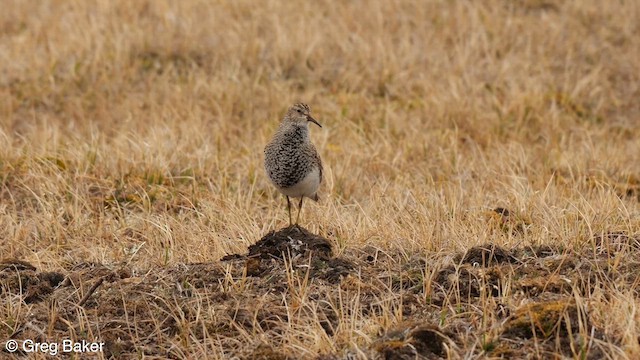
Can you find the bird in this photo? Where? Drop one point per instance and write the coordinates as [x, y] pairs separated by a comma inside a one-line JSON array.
[[292, 163]]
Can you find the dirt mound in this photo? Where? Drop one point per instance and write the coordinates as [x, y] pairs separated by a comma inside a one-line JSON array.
[[20, 277], [544, 319], [413, 341], [488, 255], [297, 247], [291, 242]]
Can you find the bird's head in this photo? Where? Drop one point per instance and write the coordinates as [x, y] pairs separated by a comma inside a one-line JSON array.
[[300, 114]]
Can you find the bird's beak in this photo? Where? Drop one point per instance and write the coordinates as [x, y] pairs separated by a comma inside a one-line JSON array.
[[309, 118]]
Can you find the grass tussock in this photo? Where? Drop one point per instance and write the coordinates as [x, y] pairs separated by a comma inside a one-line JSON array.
[[482, 193]]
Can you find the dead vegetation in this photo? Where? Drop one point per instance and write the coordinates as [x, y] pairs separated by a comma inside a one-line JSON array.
[[481, 198], [538, 301]]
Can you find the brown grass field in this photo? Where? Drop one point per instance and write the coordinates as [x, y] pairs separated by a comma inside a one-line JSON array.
[[482, 192]]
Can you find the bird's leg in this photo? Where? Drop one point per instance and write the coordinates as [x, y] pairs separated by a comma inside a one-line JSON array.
[[289, 209], [299, 209]]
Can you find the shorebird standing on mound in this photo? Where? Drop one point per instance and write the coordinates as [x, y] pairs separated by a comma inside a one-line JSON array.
[[291, 161]]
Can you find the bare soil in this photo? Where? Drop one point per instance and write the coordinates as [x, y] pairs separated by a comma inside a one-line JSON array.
[[532, 288]]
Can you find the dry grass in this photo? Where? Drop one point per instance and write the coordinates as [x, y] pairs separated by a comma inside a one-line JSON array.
[[132, 136]]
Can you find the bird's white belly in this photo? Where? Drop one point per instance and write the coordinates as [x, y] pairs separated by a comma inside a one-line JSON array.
[[307, 187]]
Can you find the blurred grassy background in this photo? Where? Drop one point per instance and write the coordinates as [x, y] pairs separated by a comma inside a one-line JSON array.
[[132, 131]]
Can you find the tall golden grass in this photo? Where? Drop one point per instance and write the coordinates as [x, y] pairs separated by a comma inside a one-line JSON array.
[[132, 131]]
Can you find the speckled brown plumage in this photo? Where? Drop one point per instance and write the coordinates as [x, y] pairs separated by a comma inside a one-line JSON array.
[[292, 162]]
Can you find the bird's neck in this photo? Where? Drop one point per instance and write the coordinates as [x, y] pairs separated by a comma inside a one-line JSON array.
[[300, 131]]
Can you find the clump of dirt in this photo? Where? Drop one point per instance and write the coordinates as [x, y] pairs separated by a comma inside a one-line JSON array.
[[535, 286], [460, 280], [15, 264], [88, 271], [290, 242], [423, 341], [266, 352], [300, 248], [20, 277], [488, 255], [428, 340], [467, 282], [544, 320], [538, 251], [560, 324]]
